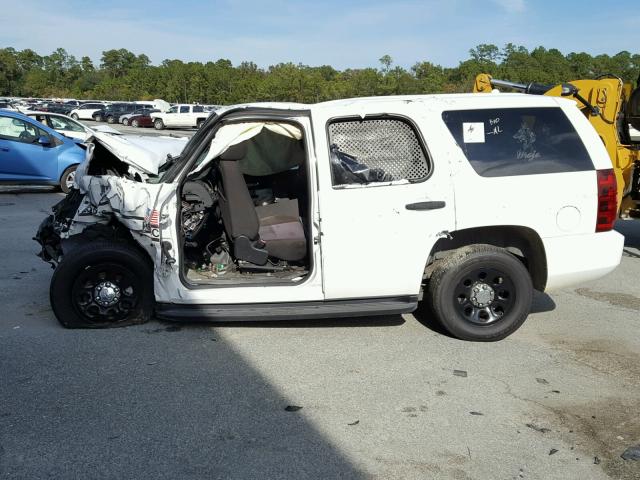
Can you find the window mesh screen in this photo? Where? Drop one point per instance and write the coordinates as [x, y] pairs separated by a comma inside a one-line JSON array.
[[387, 144]]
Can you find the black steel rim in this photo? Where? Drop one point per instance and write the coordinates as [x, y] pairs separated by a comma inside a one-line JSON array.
[[122, 285], [484, 296]]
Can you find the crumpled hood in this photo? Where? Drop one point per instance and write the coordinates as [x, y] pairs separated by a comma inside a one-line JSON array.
[[143, 153]]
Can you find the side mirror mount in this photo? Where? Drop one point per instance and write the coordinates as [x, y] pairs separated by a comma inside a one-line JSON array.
[[44, 141]]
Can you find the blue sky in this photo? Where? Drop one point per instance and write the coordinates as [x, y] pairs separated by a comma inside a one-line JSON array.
[[339, 33]]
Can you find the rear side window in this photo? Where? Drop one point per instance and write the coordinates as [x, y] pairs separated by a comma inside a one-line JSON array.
[[184, 109], [198, 109], [375, 150], [518, 141]]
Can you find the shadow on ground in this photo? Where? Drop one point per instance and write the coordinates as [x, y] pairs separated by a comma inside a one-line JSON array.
[[123, 403]]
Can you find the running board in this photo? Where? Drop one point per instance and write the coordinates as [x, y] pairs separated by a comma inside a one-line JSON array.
[[288, 311]]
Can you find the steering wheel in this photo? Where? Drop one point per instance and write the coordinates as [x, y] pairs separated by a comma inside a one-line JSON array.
[[25, 135]]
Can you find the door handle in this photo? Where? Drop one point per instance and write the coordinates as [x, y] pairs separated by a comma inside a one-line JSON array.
[[435, 205]]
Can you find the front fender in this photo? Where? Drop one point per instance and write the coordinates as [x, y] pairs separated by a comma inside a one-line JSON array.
[[71, 155]]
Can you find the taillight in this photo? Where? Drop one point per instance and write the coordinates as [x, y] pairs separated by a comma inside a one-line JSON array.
[[607, 200]]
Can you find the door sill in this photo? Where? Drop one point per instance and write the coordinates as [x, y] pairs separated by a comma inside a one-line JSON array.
[[288, 310]]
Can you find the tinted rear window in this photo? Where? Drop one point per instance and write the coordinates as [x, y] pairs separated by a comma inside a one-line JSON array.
[[518, 141]]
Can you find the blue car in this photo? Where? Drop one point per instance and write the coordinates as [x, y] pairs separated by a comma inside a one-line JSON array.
[[32, 153]]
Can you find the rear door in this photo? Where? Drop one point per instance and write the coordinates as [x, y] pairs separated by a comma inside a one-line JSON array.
[[383, 202]]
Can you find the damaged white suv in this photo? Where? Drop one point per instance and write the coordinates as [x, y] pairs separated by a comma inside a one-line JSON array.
[[345, 208]]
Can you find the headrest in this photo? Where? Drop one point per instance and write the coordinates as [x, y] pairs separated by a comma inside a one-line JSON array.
[[235, 152]]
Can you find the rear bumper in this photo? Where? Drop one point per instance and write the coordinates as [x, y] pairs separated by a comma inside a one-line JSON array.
[[575, 259]]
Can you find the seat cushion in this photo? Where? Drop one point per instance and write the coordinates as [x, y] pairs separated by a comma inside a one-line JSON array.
[[284, 237]]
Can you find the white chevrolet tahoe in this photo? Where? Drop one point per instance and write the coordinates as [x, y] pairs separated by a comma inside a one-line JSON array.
[[180, 116], [354, 207]]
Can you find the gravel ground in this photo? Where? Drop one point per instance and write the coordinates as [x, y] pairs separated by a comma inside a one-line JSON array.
[[381, 398]]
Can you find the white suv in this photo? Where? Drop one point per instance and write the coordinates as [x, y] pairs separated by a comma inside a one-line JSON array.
[[85, 111], [353, 207]]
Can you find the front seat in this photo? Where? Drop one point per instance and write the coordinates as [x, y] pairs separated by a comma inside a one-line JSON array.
[[254, 240]]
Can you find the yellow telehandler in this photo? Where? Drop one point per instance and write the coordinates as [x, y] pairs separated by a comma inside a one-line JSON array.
[[612, 107]]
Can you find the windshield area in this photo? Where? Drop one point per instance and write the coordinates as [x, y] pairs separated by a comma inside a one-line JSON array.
[[172, 167]]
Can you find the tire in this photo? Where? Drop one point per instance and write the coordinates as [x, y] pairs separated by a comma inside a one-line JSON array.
[[98, 118], [110, 119], [158, 124], [199, 124], [74, 116], [102, 264], [480, 293], [125, 122], [135, 123], [66, 180]]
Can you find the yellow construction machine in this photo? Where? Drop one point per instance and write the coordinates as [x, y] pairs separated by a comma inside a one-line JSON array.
[[612, 107]]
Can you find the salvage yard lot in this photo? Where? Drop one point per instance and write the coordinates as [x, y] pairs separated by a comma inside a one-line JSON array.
[[381, 398]]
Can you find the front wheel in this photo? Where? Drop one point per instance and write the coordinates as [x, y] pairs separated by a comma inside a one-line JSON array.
[[74, 116], [135, 124], [158, 124], [110, 119], [480, 293], [125, 122], [67, 179], [97, 118], [102, 284]]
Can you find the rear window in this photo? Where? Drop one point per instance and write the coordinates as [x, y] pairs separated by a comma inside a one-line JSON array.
[[518, 141]]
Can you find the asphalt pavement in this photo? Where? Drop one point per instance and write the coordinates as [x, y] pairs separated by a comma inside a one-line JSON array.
[[380, 398]]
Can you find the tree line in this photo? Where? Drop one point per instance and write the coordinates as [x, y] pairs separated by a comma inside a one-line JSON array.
[[123, 75]]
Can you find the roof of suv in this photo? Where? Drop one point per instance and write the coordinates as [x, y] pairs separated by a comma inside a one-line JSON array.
[[439, 101]]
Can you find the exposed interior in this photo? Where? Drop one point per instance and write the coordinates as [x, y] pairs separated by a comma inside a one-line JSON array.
[[245, 212]]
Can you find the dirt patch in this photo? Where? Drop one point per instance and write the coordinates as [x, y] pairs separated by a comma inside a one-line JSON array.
[[623, 300], [604, 356], [604, 430]]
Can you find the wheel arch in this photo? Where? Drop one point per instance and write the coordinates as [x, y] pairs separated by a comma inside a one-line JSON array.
[[523, 242], [113, 231]]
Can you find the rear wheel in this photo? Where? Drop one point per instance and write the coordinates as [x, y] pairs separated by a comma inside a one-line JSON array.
[[135, 123], [158, 124], [199, 124], [102, 284], [67, 179], [480, 293], [110, 119], [125, 121], [98, 118]]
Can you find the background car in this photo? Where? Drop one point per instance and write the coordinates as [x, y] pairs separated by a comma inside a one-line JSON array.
[[62, 124], [86, 110], [32, 153], [56, 107], [126, 118], [142, 120], [111, 113]]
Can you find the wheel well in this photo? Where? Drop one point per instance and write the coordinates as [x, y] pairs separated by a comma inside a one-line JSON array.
[[113, 231], [523, 242]]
